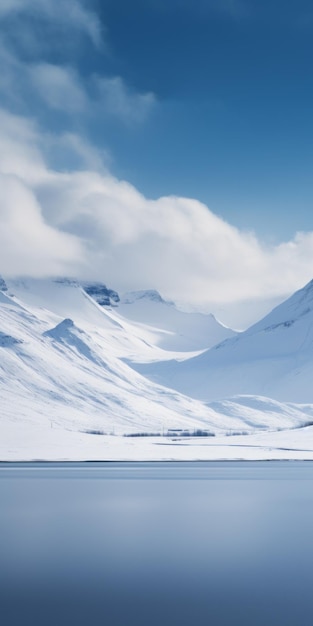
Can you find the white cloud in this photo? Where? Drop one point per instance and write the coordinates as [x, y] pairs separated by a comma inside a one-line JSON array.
[[20, 153], [59, 87], [90, 224], [118, 100], [62, 88], [11, 75], [65, 12], [71, 148], [85, 222], [29, 85], [26, 240], [28, 243]]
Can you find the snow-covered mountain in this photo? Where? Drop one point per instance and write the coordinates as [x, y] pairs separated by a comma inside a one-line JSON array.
[[65, 356], [71, 374], [173, 329], [272, 358], [65, 376]]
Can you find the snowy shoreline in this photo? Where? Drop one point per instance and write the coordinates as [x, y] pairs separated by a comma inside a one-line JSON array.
[[75, 447]]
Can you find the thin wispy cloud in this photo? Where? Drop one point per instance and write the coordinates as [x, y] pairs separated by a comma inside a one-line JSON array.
[[120, 101], [59, 87], [28, 85], [71, 152], [68, 12]]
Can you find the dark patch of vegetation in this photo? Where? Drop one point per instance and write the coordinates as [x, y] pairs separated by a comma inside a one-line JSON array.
[[142, 435], [94, 432], [173, 432]]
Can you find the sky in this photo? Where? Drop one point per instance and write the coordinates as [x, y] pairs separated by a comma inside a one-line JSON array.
[[160, 144]]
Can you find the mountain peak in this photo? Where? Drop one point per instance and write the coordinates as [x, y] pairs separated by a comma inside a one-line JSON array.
[[60, 330], [151, 295], [297, 306]]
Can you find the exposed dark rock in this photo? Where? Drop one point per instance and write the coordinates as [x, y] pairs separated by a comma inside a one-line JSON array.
[[7, 341], [101, 294]]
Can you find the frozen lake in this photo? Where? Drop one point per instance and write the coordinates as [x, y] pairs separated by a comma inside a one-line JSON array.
[[149, 544]]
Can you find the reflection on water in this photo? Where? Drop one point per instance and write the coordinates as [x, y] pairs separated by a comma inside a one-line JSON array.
[[156, 544]]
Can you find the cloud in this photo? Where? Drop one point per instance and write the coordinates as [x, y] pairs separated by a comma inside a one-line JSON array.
[[68, 12], [71, 151], [59, 87], [118, 100], [92, 225], [31, 84], [36, 86], [29, 245], [20, 153], [26, 240], [63, 212]]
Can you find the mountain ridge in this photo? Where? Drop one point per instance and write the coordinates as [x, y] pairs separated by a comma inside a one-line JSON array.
[[274, 358], [65, 377]]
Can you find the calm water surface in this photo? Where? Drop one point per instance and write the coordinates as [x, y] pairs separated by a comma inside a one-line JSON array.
[[146, 544]]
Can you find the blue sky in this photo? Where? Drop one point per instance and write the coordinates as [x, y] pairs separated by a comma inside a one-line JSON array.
[[233, 121], [209, 100]]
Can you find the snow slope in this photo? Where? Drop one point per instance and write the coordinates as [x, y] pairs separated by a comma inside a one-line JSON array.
[[272, 358], [69, 370], [173, 329], [67, 390]]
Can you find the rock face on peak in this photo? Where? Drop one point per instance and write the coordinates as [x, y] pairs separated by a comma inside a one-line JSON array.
[[101, 294]]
